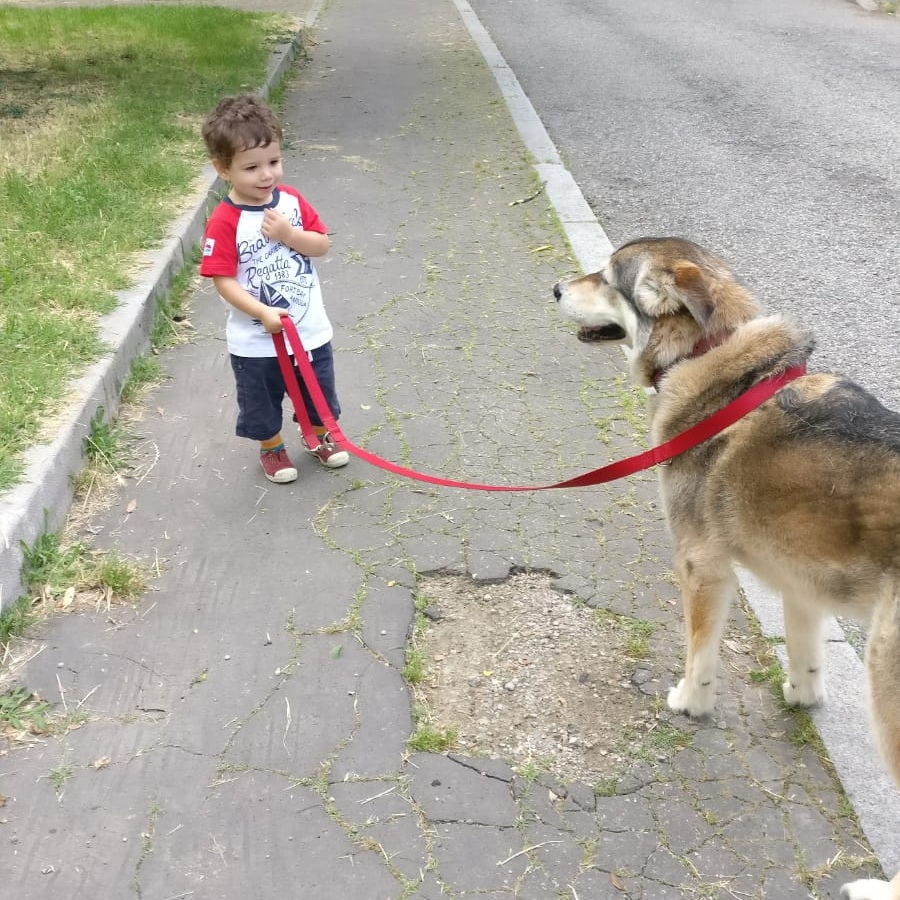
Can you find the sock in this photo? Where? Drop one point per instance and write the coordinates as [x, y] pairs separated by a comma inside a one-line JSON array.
[[272, 445]]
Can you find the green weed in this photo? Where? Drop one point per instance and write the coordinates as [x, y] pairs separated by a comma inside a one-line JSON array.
[[170, 309], [607, 787], [804, 732], [637, 642], [16, 619], [772, 673], [530, 771], [145, 371], [51, 568], [59, 775], [667, 737], [427, 739], [634, 633], [106, 447], [23, 711], [589, 848], [125, 578], [414, 670]]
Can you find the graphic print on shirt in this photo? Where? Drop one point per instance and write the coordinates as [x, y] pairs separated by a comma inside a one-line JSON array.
[[279, 276], [271, 297]]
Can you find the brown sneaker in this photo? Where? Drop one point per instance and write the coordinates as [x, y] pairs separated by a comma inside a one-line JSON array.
[[328, 453], [277, 466]]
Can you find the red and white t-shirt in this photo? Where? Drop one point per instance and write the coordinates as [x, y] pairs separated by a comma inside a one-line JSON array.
[[234, 246]]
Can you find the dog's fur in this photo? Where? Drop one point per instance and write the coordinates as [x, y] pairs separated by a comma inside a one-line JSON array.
[[804, 491]]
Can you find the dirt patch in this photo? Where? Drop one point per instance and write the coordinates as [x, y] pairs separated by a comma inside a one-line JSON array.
[[525, 672]]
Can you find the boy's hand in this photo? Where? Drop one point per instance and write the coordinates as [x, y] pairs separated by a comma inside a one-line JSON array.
[[276, 227], [271, 319]]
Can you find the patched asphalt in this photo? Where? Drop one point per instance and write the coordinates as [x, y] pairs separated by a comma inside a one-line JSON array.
[[244, 728]]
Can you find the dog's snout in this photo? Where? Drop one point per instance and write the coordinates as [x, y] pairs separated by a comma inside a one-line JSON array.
[[557, 292]]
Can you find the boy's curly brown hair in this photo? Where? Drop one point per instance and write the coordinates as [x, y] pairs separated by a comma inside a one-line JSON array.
[[238, 123]]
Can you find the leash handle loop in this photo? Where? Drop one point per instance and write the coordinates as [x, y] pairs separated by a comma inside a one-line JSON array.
[[687, 439], [293, 389]]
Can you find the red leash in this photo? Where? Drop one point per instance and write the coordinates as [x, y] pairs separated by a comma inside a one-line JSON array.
[[691, 437]]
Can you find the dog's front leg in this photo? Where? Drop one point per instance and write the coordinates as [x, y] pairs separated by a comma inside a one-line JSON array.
[[708, 586], [803, 621]]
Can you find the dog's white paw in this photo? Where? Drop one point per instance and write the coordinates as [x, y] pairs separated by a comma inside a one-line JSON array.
[[809, 691], [867, 889], [695, 701]]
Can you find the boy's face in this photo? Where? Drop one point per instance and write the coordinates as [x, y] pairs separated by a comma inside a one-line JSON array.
[[252, 174]]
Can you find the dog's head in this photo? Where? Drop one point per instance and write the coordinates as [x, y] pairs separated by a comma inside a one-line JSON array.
[[660, 297]]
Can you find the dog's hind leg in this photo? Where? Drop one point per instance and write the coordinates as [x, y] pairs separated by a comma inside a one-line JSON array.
[[883, 662], [883, 659], [708, 587], [803, 623]]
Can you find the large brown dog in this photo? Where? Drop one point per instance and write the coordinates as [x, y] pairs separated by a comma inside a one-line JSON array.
[[804, 491]]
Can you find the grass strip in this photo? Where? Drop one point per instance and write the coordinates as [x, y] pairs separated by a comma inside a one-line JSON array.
[[100, 113]]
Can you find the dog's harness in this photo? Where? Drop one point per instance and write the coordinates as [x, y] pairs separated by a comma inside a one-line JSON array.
[[686, 440]]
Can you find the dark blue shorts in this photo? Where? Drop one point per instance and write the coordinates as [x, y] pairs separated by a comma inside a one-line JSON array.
[[261, 390]]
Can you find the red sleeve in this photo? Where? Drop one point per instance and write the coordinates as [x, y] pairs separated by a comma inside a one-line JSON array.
[[310, 218], [220, 242]]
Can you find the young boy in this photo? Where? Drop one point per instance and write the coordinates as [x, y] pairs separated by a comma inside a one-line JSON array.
[[258, 250]]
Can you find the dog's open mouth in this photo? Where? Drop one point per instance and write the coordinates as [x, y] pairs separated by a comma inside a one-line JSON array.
[[611, 332]]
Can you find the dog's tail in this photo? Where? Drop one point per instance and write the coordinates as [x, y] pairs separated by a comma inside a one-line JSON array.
[[883, 657]]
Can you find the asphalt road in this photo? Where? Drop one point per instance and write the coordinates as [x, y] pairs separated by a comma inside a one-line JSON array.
[[769, 131]]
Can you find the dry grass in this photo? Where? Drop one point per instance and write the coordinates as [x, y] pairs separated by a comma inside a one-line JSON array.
[[54, 123]]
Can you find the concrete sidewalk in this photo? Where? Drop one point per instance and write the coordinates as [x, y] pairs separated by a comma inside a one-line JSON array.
[[246, 725]]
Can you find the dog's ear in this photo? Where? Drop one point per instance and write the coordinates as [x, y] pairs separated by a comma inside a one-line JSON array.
[[693, 286]]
